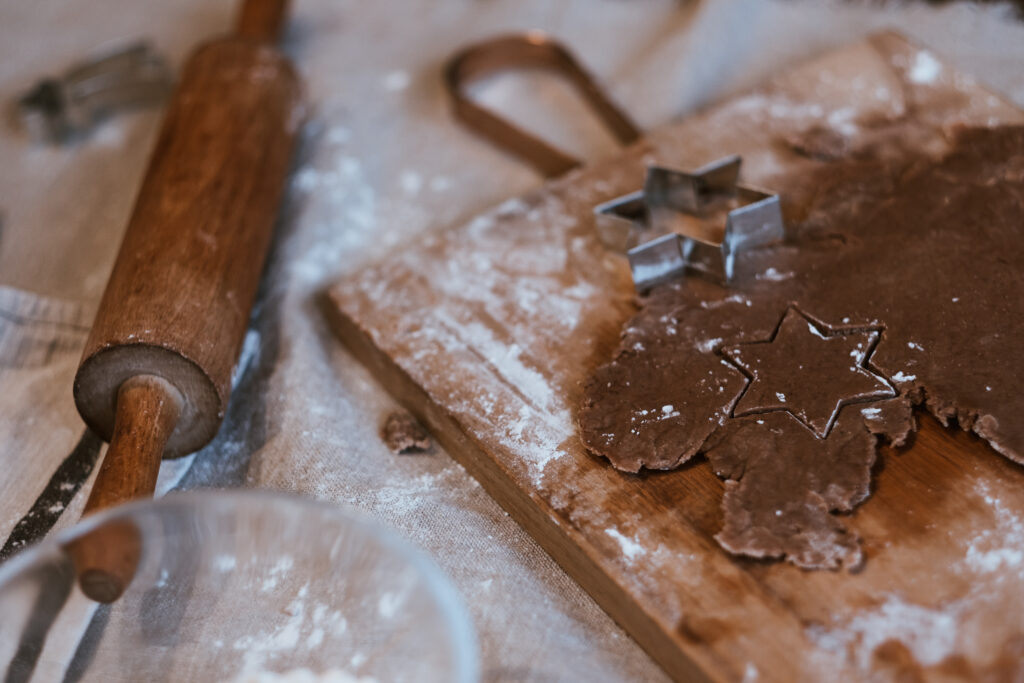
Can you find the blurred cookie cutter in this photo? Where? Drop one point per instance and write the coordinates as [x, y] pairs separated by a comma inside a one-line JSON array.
[[635, 223], [58, 109], [531, 50]]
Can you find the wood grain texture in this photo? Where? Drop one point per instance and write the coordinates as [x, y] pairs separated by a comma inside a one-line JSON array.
[[148, 408], [178, 300], [486, 331]]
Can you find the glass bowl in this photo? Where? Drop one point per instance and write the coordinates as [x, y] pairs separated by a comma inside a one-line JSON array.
[[237, 586]]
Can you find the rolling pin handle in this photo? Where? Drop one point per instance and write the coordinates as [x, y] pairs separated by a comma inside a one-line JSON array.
[[105, 560], [147, 411], [262, 19]]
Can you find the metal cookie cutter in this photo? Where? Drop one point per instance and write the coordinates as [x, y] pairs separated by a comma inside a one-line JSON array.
[[645, 224], [651, 225], [57, 109], [532, 50]]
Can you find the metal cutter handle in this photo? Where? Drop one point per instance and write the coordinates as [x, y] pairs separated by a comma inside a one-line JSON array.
[[532, 50]]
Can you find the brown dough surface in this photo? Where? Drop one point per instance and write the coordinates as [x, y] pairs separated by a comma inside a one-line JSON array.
[[900, 283]]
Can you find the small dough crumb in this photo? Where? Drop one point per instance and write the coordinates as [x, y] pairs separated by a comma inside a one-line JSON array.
[[404, 435]]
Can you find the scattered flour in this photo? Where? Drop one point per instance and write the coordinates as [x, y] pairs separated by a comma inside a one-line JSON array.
[[1000, 546], [731, 299], [281, 568], [630, 547], [396, 81], [440, 184], [815, 331], [341, 205], [250, 351], [224, 563], [535, 421], [301, 676], [708, 345], [408, 495], [337, 135], [411, 182], [389, 604], [991, 560], [929, 634], [903, 377], [841, 120], [774, 275], [925, 68], [259, 648]]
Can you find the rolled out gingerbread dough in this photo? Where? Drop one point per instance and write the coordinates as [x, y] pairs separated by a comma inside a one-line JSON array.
[[900, 284]]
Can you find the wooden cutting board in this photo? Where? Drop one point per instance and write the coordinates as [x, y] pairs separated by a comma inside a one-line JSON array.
[[486, 332]]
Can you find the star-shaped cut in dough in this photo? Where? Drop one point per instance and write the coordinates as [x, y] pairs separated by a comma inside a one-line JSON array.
[[809, 370]]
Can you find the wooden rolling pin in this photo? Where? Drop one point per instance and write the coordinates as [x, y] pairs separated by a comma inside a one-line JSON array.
[[156, 372]]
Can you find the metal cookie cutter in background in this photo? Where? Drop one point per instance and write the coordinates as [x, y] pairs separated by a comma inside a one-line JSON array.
[[532, 50], [645, 224], [651, 225], [58, 109]]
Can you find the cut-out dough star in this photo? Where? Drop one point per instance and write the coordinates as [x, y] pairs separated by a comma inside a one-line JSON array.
[[808, 370]]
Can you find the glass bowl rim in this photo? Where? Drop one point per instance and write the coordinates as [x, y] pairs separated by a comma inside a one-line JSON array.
[[453, 610]]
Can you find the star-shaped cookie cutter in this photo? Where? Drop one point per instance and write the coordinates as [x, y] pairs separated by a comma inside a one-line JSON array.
[[640, 223]]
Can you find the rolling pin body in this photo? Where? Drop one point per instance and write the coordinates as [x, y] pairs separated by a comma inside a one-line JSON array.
[[178, 300], [156, 371]]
